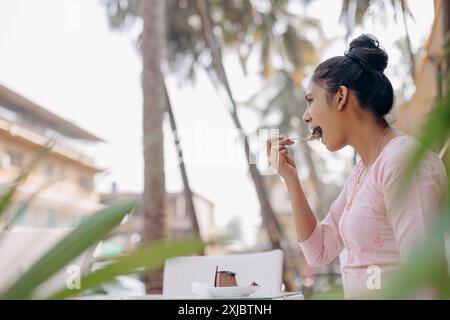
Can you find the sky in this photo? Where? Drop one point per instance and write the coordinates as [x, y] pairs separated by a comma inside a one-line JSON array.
[[62, 55]]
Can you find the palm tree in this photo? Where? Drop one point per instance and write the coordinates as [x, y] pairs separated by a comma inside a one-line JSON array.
[[152, 14], [189, 199], [354, 12], [296, 53], [153, 200], [122, 15], [190, 39]]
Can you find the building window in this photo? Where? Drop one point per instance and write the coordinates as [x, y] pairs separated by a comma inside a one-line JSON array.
[[84, 183], [76, 221], [51, 218], [22, 219], [48, 169], [62, 174], [15, 158], [180, 208], [181, 233]]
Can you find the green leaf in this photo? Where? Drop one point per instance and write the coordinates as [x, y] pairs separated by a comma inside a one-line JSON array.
[[149, 257], [425, 266], [93, 229], [427, 263], [436, 133]]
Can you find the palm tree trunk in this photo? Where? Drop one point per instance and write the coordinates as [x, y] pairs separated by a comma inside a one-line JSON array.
[[270, 221], [153, 202], [446, 29], [408, 40], [190, 208]]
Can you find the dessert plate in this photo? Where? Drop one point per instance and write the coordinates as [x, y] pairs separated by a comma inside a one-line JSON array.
[[239, 291]]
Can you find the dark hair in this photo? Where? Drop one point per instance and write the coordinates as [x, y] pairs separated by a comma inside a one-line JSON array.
[[361, 70]]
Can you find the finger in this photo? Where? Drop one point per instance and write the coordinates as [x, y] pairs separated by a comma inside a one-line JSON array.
[[270, 142], [278, 147], [285, 141], [290, 160], [285, 158], [282, 142], [283, 155]]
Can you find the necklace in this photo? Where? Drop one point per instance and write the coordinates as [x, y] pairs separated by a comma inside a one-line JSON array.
[[358, 181]]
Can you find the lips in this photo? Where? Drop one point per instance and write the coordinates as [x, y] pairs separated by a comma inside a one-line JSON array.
[[317, 132]]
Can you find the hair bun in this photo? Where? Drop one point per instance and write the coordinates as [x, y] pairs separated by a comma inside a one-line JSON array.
[[366, 49]]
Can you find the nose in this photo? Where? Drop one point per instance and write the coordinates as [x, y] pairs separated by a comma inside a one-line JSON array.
[[307, 116]]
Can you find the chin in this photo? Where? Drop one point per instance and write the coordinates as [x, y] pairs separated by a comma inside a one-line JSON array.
[[334, 147]]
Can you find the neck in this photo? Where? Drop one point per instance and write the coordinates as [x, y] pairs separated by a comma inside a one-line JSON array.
[[369, 141]]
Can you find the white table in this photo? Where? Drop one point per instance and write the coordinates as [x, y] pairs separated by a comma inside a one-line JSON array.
[[282, 296]]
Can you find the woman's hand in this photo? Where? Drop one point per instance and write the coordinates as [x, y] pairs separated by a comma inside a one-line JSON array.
[[280, 159]]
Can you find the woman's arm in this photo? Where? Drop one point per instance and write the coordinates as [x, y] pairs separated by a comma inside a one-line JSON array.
[[414, 209], [320, 242], [285, 166], [304, 219]]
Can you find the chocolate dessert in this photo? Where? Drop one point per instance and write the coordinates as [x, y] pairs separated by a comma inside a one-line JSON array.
[[317, 132], [225, 279]]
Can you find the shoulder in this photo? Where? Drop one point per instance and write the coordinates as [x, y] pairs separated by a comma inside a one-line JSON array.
[[397, 155], [400, 148]]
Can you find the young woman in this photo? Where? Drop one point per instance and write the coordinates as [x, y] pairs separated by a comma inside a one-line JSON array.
[[348, 98]]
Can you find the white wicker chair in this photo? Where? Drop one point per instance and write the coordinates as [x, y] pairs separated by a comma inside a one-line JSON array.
[[264, 268]]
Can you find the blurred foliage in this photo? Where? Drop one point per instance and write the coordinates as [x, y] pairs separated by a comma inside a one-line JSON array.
[[79, 240], [334, 294], [92, 230], [353, 12], [428, 264], [239, 25], [149, 257]]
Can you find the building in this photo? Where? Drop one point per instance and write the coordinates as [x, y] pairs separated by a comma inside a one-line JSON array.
[[180, 224], [63, 181]]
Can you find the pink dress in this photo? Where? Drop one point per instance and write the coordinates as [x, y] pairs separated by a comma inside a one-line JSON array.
[[376, 232]]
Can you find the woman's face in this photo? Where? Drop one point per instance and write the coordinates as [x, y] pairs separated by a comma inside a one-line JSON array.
[[325, 117]]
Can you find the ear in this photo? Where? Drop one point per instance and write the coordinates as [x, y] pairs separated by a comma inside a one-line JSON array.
[[341, 97]]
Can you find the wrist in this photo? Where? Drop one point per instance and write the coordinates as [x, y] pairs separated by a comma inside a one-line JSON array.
[[292, 181]]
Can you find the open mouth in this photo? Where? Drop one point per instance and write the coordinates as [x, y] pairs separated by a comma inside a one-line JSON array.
[[317, 132]]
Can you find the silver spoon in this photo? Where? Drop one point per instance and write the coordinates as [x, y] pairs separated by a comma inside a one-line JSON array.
[[310, 138]]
